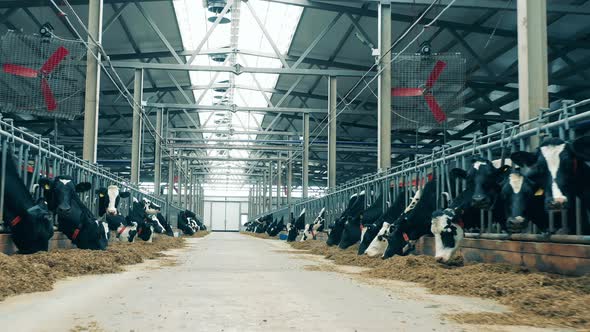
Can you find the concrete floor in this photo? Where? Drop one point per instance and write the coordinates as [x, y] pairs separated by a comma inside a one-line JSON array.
[[232, 282]]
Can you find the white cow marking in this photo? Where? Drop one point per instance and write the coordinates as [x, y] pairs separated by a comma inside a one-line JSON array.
[[478, 164], [551, 154], [437, 227], [65, 182], [377, 247], [112, 192], [414, 201], [516, 181]]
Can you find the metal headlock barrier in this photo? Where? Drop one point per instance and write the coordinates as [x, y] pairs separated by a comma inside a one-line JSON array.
[[35, 157], [414, 175]]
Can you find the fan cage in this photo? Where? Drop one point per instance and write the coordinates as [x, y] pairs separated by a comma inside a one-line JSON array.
[[413, 71], [66, 81]]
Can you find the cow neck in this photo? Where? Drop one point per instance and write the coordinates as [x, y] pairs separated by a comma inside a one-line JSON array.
[[18, 199]]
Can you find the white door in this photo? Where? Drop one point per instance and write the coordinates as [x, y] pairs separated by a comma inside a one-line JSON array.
[[225, 216]]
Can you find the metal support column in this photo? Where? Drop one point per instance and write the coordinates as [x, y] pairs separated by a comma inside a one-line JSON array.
[[264, 188], [332, 102], [384, 106], [95, 11], [532, 59], [279, 181], [137, 126], [305, 161], [158, 153], [170, 192], [270, 185], [289, 178]]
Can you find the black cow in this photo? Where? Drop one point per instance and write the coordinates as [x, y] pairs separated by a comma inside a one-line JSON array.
[[413, 223], [75, 220], [355, 205], [30, 224], [559, 168], [523, 202], [353, 226], [276, 227], [294, 227], [484, 181], [189, 223], [371, 230]]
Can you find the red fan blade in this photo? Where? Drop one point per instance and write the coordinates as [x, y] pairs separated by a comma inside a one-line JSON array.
[[54, 60], [435, 108], [406, 92], [48, 95], [19, 70], [435, 74]]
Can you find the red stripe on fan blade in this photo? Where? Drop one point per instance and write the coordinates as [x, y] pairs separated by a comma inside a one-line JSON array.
[[435, 74], [54, 60], [19, 70], [437, 112], [48, 96], [406, 92]]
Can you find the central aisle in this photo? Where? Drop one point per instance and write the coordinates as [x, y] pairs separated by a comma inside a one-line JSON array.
[[223, 282]]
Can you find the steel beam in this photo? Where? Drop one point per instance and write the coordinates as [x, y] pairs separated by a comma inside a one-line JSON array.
[[305, 155], [91, 98], [289, 178], [136, 138], [384, 109], [532, 59], [332, 103], [170, 193], [236, 132], [238, 69], [279, 182]]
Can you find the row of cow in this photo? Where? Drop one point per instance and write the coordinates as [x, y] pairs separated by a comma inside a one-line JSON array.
[[517, 191], [31, 223]]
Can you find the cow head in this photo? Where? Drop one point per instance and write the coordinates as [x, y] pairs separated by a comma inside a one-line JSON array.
[[554, 167], [292, 232], [398, 241], [379, 243], [60, 192], [448, 233], [483, 179], [335, 234], [518, 194], [150, 208], [351, 234]]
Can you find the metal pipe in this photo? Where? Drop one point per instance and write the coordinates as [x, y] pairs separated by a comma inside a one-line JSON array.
[[573, 239], [289, 178], [279, 181]]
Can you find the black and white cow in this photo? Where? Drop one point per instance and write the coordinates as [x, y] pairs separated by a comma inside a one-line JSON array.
[[146, 222], [484, 181], [373, 242], [30, 224], [560, 169], [108, 200], [356, 204], [412, 224], [353, 227], [523, 203], [108, 208], [185, 222], [75, 220], [294, 227], [312, 229], [276, 227]]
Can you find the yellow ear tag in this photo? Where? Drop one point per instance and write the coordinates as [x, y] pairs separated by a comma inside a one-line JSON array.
[[539, 192], [47, 187], [100, 195]]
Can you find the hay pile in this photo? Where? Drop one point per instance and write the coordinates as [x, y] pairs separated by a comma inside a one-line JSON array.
[[199, 234], [260, 235], [38, 272], [537, 299]]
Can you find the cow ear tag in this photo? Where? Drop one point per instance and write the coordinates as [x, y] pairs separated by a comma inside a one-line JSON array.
[[47, 187], [100, 195], [539, 192]]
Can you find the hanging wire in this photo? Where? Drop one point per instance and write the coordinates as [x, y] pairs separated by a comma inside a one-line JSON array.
[[497, 24]]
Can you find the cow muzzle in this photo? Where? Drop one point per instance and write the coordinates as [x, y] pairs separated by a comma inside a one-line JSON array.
[[558, 203], [112, 212], [517, 224]]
